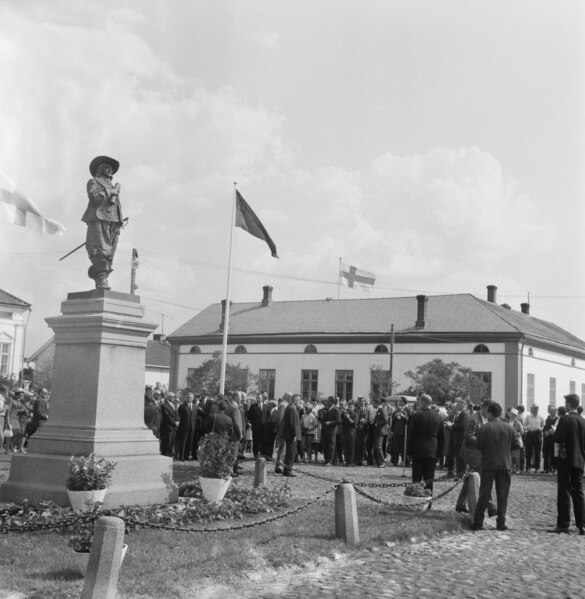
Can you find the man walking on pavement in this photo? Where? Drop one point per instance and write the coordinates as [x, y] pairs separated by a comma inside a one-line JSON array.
[[569, 436], [291, 433], [495, 440]]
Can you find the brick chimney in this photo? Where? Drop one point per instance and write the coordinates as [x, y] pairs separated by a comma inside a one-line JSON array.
[[491, 293], [223, 303], [525, 307], [421, 312], [267, 299]]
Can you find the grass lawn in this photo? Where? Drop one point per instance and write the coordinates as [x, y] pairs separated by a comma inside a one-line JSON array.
[[179, 565]]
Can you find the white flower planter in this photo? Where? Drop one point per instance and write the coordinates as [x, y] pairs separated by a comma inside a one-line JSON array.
[[80, 500], [82, 559], [421, 502], [214, 489]]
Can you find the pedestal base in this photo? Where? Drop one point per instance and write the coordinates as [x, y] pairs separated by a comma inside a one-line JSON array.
[[137, 480], [97, 405]]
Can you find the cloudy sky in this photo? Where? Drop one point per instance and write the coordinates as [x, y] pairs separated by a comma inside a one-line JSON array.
[[439, 145]]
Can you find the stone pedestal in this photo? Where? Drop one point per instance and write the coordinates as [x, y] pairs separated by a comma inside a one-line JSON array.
[[97, 405]]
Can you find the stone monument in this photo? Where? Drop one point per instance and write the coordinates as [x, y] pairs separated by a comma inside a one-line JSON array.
[[97, 402]]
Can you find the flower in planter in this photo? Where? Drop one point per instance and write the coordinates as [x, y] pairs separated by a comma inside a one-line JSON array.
[[217, 455], [417, 490], [89, 473]]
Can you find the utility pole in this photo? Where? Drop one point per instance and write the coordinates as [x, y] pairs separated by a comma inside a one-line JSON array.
[[391, 358]]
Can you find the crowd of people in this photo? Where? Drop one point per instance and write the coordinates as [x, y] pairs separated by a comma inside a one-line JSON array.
[[458, 437], [22, 412]]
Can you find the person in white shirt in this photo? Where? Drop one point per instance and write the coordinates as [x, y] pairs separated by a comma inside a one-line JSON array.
[[533, 426]]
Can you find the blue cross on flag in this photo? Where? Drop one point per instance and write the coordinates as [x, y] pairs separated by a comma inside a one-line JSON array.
[[355, 278]]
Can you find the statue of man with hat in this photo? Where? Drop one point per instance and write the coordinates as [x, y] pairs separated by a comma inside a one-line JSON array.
[[103, 217]]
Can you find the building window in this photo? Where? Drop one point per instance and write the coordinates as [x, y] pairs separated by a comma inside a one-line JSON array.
[[481, 349], [530, 384], [190, 374], [573, 362], [344, 384], [379, 383], [309, 384], [4, 359], [572, 387], [266, 381], [582, 392], [381, 349], [241, 349], [195, 350], [310, 349], [530, 352], [480, 386], [552, 392]]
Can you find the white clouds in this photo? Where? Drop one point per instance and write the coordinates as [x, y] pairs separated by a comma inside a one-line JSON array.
[[443, 218]]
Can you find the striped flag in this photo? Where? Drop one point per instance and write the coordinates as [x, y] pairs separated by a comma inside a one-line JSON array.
[[246, 219], [355, 278], [22, 211]]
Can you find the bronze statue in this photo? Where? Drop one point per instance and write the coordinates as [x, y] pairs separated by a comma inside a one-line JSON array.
[[103, 217]]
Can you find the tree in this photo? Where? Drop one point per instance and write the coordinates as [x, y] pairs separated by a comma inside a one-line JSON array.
[[444, 382], [205, 379], [381, 384]]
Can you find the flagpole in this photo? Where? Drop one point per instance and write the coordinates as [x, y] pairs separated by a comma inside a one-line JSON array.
[[339, 279], [226, 319]]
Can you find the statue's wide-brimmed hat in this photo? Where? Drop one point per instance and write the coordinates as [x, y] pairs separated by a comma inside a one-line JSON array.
[[101, 159]]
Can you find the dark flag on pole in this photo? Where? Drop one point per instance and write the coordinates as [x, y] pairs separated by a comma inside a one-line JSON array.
[[246, 219]]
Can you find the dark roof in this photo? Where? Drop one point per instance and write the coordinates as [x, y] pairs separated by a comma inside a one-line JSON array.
[[446, 314], [7, 299], [158, 354]]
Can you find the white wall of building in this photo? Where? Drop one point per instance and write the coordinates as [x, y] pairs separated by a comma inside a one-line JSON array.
[[289, 360], [543, 365], [12, 333]]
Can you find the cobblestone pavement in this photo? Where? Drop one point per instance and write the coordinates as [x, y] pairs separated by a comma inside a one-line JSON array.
[[523, 562]]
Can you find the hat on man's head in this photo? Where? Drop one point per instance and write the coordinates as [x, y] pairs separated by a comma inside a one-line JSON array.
[[426, 399], [514, 411], [100, 160], [18, 390]]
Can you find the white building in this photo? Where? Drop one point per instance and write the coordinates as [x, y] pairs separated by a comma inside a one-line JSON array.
[[331, 346], [14, 315]]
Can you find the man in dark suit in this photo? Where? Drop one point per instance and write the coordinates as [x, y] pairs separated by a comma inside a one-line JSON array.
[[425, 441], [219, 422], [255, 419], [330, 420], [291, 433], [168, 426], [40, 412], [458, 434], [495, 440], [569, 434], [186, 427]]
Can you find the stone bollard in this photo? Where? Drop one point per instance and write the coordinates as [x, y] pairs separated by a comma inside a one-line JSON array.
[[105, 559], [472, 491], [346, 520], [260, 472]]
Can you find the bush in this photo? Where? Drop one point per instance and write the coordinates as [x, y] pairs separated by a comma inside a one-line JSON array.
[[89, 473], [217, 455]]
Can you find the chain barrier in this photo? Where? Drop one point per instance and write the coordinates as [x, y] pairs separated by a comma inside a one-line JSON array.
[[377, 485], [158, 526], [416, 508], [65, 522]]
